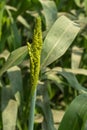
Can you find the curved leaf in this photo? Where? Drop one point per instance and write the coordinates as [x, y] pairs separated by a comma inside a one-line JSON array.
[[69, 76], [79, 71], [76, 115], [79, 3], [58, 40], [49, 11], [23, 21], [15, 58], [72, 80]]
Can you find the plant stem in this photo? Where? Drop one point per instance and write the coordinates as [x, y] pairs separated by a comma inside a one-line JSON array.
[[31, 113]]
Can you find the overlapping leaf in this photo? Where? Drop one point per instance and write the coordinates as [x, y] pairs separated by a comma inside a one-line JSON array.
[[15, 58], [49, 11], [58, 40], [69, 76], [75, 117]]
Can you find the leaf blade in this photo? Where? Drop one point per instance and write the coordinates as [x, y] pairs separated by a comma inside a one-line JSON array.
[[75, 115], [62, 36], [15, 58], [49, 11], [9, 115]]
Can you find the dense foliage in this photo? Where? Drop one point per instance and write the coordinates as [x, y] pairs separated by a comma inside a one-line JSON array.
[[62, 85]]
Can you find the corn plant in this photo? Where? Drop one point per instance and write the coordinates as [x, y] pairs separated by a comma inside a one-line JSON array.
[[20, 90], [61, 38]]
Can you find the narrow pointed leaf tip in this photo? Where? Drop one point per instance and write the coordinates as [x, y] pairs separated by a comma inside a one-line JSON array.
[[34, 52]]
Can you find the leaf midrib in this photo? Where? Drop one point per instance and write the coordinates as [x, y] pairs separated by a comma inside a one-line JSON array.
[[45, 60]]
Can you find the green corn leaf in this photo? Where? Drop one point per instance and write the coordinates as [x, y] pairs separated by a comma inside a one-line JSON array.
[[72, 80], [8, 105], [9, 109], [58, 40], [15, 58], [15, 78], [16, 37], [76, 57], [48, 123], [79, 3], [23, 21], [69, 76], [75, 117], [9, 115], [49, 11]]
